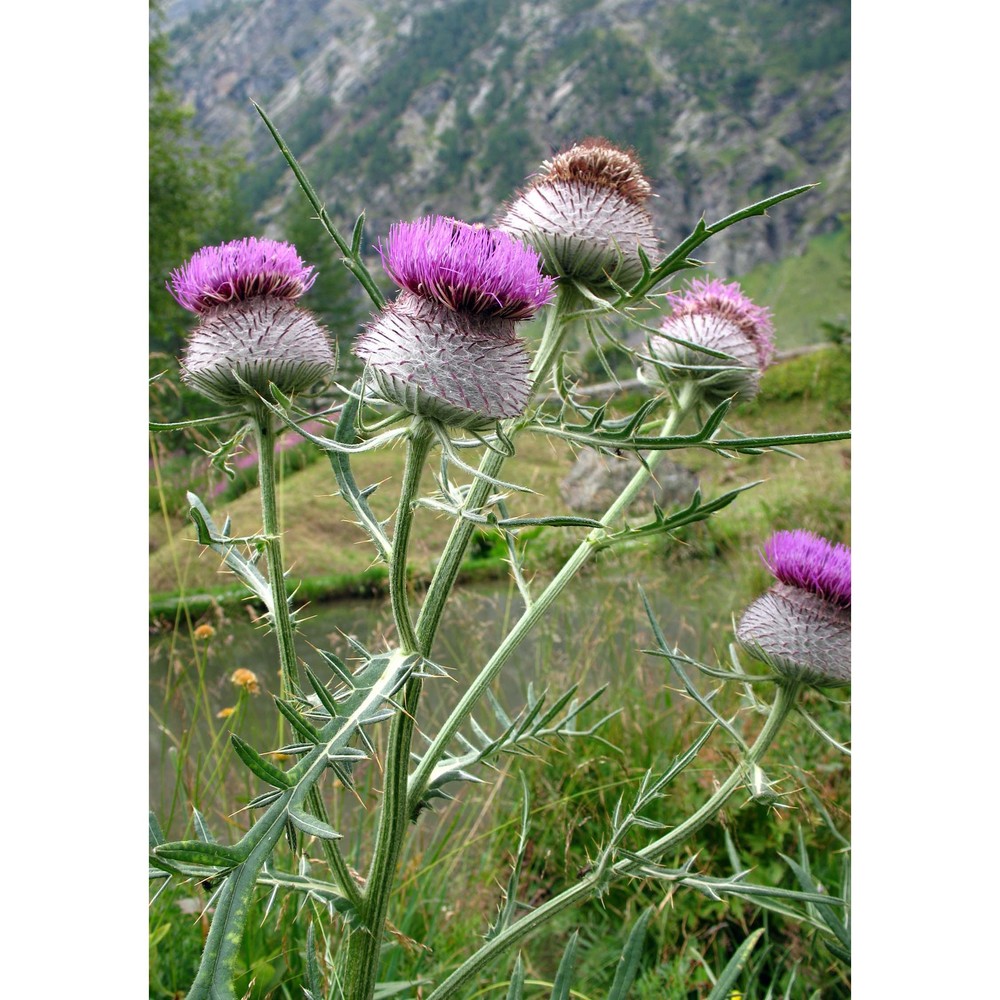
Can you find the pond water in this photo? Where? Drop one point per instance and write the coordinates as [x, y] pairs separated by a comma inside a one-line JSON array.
[[592, 636]]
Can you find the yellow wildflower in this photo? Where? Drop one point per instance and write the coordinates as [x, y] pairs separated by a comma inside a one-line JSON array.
[[224, 713], [246, 679], [204, 632]]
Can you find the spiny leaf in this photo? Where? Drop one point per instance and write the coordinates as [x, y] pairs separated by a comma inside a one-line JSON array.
[[286, 814], [337, 665], [327, 699], [264, 769], [202, 830], [301, 725], [311, 825], [199, 853], [264, 799]]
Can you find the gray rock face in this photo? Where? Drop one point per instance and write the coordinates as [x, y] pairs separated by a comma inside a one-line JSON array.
[[596, 480], [447, 106]]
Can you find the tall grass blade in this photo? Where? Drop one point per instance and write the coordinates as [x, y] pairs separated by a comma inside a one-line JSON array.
[[628, 964], [724, 984]]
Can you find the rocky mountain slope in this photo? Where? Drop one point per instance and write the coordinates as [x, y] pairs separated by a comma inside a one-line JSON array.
[[406, 108]]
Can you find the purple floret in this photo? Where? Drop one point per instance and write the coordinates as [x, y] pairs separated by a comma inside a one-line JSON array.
[[466, 268], [728, 301], [809, 562], [239, 271]]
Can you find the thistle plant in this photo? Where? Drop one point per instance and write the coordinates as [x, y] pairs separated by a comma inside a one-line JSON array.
[[448, 375]]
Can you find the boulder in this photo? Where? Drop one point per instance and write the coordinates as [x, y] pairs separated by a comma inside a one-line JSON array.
[[596, 480]]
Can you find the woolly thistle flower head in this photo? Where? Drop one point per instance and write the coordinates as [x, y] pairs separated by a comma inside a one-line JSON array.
[[251, 334], [239, 271], [717, 316], [446, 348], [585, 213], [801, 627], [467, 268]]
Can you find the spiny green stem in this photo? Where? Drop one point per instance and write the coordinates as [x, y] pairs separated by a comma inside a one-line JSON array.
[[365, 941], [418, 447], [263, 426], [421, 776], [783, 703], [283, 627], [492, 462]]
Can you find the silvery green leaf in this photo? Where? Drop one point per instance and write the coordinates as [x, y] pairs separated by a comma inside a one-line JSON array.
[[350, 754], [264, 769], [279, 397], [226, 547], [337, 665], [325, 697], [359, 227], [379, 716], [300, 724], [312, 826], [199, 853], [201, 828], [680, 257], [264, 799], [295, 749]]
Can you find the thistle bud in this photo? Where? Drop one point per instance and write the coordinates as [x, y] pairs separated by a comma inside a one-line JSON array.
[[720, 317], [585, 214], [251, 334], [801, 627], [447, 348]]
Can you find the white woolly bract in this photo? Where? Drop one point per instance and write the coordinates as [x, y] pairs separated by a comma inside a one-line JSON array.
[[582, 231], [460, 369], [799, 635], [263, 340], [738, 375]]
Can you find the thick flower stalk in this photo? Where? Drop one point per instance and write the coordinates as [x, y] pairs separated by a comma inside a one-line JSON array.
[[251, 333], [446, 348], [585, 214], [719, 317], [801, 627]]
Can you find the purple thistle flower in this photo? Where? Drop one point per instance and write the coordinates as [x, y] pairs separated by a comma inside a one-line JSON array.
[[238, 271], [809, 562], [466, 268], [728, 302], [719, 317], [801, 627]]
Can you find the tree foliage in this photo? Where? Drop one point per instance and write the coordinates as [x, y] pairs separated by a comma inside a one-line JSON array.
[[192, 193]]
